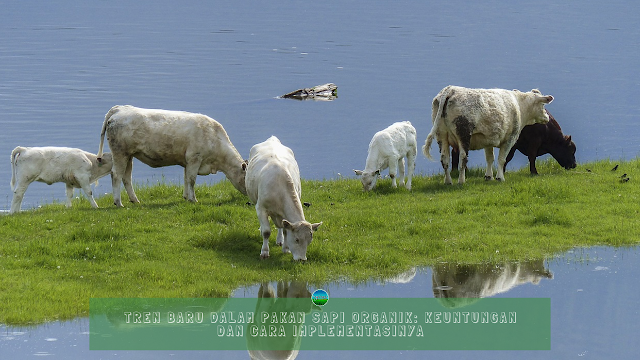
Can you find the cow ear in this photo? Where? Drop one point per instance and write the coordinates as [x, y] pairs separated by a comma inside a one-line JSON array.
[[314, 227], [358, 172], [287, 225], [377, 172], [536, 91]]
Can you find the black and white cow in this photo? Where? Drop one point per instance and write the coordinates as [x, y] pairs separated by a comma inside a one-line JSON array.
[[473, 119]]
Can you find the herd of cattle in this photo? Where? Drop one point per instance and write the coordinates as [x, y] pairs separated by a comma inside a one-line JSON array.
[[463, 119]]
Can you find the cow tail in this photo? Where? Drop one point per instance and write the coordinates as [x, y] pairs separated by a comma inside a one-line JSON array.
[[427, 144], [442, 99], [104, 130], [15, 154]]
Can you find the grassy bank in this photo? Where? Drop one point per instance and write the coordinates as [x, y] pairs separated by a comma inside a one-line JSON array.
[[52, 260]]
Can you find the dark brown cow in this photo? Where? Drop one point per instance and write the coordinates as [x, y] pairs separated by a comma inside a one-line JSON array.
[[539, 139]]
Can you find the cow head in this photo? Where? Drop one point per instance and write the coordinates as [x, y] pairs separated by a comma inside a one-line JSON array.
[[368, 178], [237, 176], [297, 236], [532, 107], [564, 151], [105, 162]]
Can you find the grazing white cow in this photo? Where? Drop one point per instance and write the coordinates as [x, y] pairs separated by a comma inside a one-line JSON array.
[[163, 138], [387, 149], [74, 167], [473, 119], [273, 184]]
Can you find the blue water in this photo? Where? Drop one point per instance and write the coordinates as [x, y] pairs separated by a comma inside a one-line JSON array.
[[63, 64], [594, 311]]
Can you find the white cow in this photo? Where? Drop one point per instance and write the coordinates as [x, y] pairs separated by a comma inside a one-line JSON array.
[[162, 138], [387, 149], [473, 119], [74, 167], [273, 184]]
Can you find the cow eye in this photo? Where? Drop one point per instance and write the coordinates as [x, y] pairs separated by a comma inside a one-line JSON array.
[[298, 241]]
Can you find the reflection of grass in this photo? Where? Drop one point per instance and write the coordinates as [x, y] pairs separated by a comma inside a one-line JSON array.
[[53, 259]]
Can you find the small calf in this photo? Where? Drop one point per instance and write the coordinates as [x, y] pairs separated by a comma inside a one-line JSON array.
[[537, 140], [74, 167], [387, 149]]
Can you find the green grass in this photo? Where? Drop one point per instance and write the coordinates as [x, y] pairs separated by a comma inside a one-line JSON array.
[[54, 259]]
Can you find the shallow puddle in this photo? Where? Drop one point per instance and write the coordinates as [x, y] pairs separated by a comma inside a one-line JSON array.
[[594, 309]]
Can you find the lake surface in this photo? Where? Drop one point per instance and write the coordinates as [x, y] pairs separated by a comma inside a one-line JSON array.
[[64, 64], [594, 310]]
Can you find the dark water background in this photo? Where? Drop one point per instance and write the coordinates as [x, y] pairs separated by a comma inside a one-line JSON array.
[[63, 64]]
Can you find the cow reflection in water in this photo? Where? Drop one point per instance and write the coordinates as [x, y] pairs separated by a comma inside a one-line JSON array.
[[459, 285], [258, 346]]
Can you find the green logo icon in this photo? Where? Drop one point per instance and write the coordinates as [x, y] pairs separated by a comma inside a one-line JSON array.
[[320, 297]]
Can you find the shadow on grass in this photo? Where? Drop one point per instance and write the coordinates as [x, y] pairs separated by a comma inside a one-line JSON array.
[[244, 250]]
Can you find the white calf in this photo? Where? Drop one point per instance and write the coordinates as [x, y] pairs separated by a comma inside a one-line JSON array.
[[387, 149], [74, 167]]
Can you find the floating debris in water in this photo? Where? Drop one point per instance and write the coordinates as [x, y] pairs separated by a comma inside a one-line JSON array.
[[326, 92]]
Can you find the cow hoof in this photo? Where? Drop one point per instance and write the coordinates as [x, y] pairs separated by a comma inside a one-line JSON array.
[[499, 179], [488, 178], [264, 255], [279, 243]]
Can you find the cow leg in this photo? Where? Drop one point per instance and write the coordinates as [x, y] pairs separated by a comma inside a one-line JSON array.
[[455, 158], [488, 154], [69, 195], [280, 237], [86, 188], [190, 175], [118, 168], [411, 166], [532, 165], [117, 172], [502, 160], [284, 243], [393, 172], [401, 171], [463, 158], [444, 160], [512, 152], [265, 230], [128, 182], [18, 194]]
